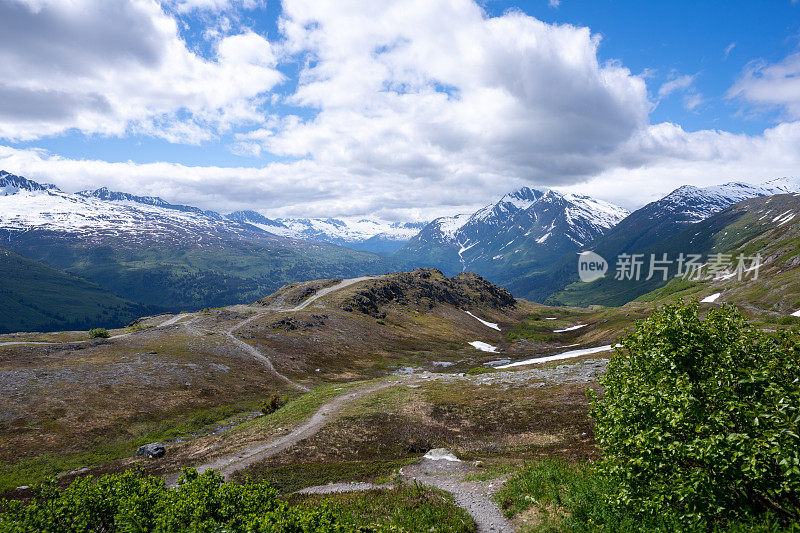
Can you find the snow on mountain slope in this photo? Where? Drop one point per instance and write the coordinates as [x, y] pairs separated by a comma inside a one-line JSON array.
[[696, 203], [345, 231], [524, 226], [27, 205]]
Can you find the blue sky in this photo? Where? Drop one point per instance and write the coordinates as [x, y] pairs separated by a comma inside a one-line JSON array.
[[323, 109]]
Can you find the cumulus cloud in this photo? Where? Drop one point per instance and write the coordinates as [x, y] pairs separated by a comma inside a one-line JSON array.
[[406, 109], [772, 86], [112, 67], [433, 88]]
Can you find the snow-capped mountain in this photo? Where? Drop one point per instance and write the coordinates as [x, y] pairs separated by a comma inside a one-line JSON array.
[[682, 207], [368, 234], [29, 206], [162, 255], [526, 226]]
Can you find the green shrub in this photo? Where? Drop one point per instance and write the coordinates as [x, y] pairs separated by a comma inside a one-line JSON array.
[[699, 419], [132, 501], [99, 333], [272, 404], [789, 320]]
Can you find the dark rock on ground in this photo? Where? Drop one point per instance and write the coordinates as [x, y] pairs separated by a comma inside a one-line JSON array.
[[152, 450]]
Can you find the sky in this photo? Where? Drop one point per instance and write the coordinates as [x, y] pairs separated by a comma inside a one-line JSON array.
[[400, 110]]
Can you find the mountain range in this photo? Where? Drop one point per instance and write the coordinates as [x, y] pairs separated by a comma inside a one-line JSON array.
[[160, 255], [149, 254]]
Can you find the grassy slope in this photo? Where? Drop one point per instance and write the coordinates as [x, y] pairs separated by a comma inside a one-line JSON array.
[[37, 297], [743, 227]]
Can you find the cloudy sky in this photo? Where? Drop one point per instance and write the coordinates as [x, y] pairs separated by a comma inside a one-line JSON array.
[[403, 109]]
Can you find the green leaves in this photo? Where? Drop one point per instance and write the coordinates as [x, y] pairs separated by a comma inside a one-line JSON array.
[[699, 419], [133, 502]]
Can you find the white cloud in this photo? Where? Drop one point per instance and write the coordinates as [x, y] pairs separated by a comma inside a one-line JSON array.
[[554, 3], [413, 109], [679, 83], [772, 86], [728, 50], [434, 88], [113, 67]]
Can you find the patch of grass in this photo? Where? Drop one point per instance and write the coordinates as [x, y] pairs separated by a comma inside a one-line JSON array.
[[492, 471], [291, 478], [478, 370], [405, 508], [103, 450], [533, 328]]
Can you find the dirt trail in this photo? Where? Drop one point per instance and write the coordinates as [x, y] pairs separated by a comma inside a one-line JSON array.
[[472, 496], [230, 464], [322, 292], [252, 350], [305, 303]]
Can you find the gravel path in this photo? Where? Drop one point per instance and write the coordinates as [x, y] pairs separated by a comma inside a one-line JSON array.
[[230, 464], [252, 350], [327, 290], [472, 496]]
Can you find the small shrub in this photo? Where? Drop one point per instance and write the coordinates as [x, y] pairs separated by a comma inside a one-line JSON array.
[[133, 501], [381, 321], [789, 320], [99, 333], [699, 420], [272, 404]]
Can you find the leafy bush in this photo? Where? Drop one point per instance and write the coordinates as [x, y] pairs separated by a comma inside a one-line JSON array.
[[132, 501], [99, 333], [560, 496], [789, 320], [271, 405], [699, 419]]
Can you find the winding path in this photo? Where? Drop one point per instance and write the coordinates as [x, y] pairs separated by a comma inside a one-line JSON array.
[[252, 350], [230, 464]]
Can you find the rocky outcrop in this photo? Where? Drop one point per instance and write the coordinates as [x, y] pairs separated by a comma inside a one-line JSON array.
[[427, 287]]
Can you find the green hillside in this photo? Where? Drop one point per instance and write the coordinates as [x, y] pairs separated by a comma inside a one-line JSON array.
[[37, 297], [749, 227], [175, 277]]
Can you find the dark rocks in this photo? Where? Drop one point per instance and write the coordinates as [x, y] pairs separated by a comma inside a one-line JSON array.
[[153, 450], [291, 323], [427, 287]]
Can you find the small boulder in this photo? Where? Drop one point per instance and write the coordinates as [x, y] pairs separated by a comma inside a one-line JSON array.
[[152, 450]]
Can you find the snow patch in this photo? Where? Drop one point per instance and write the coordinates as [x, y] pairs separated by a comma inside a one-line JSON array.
[[485, 323], [484, 347], [571, 328], [566, 355], [711, 299]]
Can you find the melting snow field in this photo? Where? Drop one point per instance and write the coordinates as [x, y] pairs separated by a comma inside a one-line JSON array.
[[572, 328], [489, 324], [796, 313], [550, 318], [566, 355], [711, 299], [484, 347]]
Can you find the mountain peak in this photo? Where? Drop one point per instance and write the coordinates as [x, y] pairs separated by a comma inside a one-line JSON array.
[[12, 184], [104, 193]]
